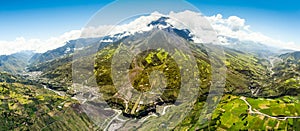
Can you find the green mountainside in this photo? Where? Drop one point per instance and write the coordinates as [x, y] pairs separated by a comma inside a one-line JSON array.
[[32, 107], [287, 74], [261, 88], [247, 75]]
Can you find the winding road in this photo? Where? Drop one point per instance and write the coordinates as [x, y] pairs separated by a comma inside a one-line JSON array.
[[165, 108], [272, 66], [254, 111], [119, 112], [143, 120]]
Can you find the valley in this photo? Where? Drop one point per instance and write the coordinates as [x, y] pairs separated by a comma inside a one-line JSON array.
[[74, 88]]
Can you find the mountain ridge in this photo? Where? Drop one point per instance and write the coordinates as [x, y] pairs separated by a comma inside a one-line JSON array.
[[250, 73]]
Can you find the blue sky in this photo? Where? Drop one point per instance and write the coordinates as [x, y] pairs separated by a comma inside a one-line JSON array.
[[42, 19]]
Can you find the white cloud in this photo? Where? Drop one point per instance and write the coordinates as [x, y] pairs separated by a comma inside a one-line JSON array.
[[199, 25], [195, 22], [137, 25], [181, 20], [96, 31], [38, 45], [236, 27]]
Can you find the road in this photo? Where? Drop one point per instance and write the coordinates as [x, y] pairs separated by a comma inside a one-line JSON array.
[[271, 60], [254, 111], [119, 112], [143, 120], [165, 108]]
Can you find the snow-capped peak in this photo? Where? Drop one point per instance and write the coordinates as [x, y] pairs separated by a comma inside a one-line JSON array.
[[195, 24], [161, 23], [145, 24]]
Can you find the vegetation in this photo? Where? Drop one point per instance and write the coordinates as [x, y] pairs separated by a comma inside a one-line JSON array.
[[269, 85], [29, 107], [15, 63], [233, 114]]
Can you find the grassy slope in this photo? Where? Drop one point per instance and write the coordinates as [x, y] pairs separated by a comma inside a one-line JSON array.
[[28, 107]]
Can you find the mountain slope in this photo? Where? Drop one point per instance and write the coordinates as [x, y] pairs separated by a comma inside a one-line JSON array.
[[243, 70], [15, 63], [65, 50], [249, 75], [31, 107], [255, 48], [286, 74]]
